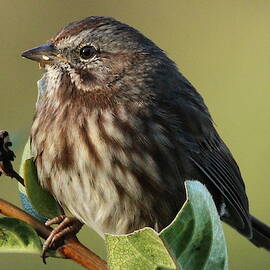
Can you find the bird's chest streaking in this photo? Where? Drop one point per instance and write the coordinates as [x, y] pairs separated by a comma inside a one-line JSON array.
[[103, 165]]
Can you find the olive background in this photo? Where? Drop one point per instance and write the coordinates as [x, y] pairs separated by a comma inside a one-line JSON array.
[[222, 47]]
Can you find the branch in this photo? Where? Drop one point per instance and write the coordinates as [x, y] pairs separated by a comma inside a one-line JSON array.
[[73, 249]]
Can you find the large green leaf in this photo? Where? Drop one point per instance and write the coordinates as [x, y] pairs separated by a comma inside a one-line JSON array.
[[141, 250], [195, 238], [17, 236], [40, 199], [36, 200]]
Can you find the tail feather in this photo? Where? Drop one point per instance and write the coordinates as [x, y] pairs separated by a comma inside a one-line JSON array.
[[261, 234]]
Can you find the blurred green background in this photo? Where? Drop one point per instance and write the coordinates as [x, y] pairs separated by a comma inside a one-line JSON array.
[[222, 47]]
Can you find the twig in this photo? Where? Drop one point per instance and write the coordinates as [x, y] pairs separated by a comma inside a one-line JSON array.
[[15, 175], [73, 250]]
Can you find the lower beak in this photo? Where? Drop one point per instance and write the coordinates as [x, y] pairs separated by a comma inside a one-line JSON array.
[[46, 53]]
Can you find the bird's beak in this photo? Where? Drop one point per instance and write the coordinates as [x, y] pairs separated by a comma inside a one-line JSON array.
[[44, 54]]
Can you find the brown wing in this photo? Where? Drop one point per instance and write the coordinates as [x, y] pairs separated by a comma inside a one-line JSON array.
[[208, 153]]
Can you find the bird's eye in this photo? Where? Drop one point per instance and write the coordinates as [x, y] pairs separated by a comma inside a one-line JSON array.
[[87, 52]]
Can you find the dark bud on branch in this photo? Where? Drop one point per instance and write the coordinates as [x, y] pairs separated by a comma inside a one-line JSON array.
[[6, 155]]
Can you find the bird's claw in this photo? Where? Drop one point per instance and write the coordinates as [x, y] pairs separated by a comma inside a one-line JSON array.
[[67, 227]]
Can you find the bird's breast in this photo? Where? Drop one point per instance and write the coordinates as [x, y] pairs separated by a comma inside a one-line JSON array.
[[101, 166]]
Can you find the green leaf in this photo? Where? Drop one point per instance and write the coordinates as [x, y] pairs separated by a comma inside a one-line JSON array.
[[40, 199], [17, 236], [141, 250], [36, 200], [27, 206], [195, 238]]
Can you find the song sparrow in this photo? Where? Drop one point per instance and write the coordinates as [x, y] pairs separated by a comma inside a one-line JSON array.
[[119, 129]]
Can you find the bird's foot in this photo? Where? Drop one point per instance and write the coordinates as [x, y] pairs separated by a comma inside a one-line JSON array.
[[67, 227]]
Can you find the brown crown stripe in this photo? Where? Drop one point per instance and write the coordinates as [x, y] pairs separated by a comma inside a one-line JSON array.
[[78, 26]]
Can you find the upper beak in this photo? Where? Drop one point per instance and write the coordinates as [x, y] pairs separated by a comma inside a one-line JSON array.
[[46, 53]]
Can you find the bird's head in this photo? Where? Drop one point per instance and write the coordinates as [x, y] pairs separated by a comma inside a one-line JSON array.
[[98, 53]]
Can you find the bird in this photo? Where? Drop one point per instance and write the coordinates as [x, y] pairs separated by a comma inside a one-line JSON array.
[[118, 131]]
